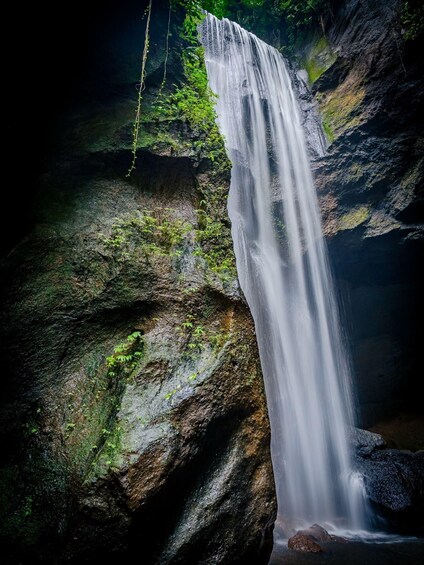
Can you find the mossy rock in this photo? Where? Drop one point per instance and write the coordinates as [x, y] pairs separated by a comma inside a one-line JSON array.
[[318, 59], [341, 108], [354, 218]]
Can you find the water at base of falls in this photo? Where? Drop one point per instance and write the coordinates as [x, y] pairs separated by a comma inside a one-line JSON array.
[[389, 550], [283, 270]]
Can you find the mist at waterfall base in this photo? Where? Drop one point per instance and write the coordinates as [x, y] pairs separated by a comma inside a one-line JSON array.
[[283, 269]]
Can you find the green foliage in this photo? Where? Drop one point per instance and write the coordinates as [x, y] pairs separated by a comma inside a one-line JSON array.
[[252, 3], [259, 16], [329, 133], [267, 17], [193, 17], [197, 336], [171, 393], [193, 334], [107, 456], [193, 101], [301, 15], [301, 12], [215, 240], [90, 418], [218, 8], [412, 19], [156, 234], [31, 428], [19, 523], [228, 8], [82, 436], [125, 355], [149, 232]]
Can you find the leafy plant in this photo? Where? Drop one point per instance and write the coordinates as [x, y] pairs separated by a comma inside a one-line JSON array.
[[192, 101], [218, 8], [151, 232], [126, 355], [412, 19], [197, 336], [299, 15]]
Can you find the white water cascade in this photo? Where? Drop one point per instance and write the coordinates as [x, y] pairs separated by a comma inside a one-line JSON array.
[[283, 269]]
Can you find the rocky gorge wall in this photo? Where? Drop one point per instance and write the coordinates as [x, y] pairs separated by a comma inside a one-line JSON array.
[[367, 81], [133, 411]]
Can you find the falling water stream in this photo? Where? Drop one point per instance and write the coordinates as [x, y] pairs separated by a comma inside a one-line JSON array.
[[283, 269]]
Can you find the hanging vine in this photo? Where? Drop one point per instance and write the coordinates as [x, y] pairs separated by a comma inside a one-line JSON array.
[[136, 126], [166, 48], [192, 101]]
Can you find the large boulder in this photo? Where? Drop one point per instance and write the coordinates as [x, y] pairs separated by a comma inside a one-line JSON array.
[[133, 407], [394, 482]]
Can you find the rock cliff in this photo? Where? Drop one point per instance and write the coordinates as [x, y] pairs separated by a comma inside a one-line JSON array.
[[367, 80], [133, 405]]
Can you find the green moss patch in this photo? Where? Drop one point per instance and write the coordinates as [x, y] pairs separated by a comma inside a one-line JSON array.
[[340, 109], [354, 218], [318, 59]]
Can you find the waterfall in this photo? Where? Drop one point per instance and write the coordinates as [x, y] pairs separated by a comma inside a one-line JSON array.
[[283, 270]]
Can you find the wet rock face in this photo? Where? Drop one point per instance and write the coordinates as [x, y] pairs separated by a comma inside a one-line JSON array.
[[364, 442], [394, 480], [308, 540], [133, 406], [304, 543], [370, 189]]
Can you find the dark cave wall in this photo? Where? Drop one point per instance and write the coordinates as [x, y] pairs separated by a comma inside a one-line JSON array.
[[370, 183], [163, 454]]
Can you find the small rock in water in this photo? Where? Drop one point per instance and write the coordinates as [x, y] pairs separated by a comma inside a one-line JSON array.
[[304, 543], [318, 533], [307, 540]]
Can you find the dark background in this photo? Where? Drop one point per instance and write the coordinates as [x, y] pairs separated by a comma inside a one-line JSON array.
[[44, 72]]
